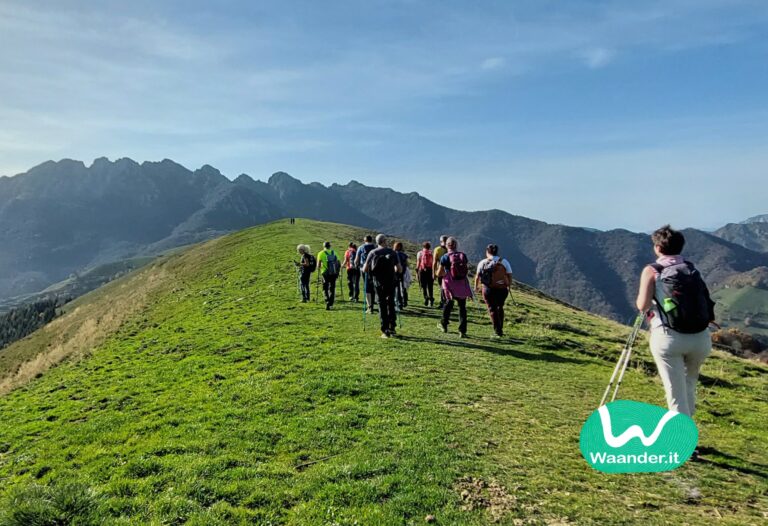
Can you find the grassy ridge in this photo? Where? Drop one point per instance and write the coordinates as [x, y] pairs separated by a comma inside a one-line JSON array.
[[222, 400]]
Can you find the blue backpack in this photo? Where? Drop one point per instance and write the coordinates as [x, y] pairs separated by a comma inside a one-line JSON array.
[[364, 251], [333, 265]]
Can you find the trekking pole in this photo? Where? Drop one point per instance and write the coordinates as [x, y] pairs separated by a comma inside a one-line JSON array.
[[365, 298], [621, 365], [298, 280], [317, 287]]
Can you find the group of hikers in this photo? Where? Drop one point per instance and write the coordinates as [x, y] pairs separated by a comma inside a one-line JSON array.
[[385, 276], [672, 296]]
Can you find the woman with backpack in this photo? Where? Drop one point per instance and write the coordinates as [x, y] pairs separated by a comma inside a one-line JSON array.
[[495, 275], [353, 273], [440, 251], [307, 265], [424, 263], [454, 269], [403, 278], [676, 301]]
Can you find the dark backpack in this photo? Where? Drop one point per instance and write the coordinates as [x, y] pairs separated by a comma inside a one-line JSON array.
[[312, 262], [382, 266], [685, 305], [333, 265], [459, 265], [493, 274]]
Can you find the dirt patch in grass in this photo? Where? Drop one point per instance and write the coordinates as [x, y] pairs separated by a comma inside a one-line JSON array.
[[477, 493]]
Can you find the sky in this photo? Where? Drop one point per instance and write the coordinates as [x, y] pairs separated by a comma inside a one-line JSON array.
[[591, 113]]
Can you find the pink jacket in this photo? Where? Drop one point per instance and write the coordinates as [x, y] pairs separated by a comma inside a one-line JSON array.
[[459, 290]]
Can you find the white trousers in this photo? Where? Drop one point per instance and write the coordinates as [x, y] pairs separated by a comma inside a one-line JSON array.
[[679, 358]]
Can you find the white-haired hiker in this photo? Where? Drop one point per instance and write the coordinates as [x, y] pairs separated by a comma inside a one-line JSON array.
[[307, 264], [454, 269], [382, 264], [680, 310]]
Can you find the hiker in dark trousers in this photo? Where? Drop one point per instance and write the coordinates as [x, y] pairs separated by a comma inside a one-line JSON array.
[[307, 265], [403, 280], [439, 253], [454, 269], [424, 262], [360, 258], [679, 311], [495, 275], [329, 266], [353, 273], [382, 264]]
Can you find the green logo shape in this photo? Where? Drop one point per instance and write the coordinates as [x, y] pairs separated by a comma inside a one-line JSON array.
[[633, 437]]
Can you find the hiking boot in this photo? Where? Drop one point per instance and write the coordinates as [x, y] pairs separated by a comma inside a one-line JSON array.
[[442, 327], [462, 335], [431, 303], [426, 303], [327, 307], [384, 335]]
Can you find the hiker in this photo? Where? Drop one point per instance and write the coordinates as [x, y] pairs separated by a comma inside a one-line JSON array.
[[403, 279], [676, 301], [424, 263], [494, 273], [307, 266], [382, 265], [360, 257], [453, 269], [353, 273], [438, 255], [329, 270]]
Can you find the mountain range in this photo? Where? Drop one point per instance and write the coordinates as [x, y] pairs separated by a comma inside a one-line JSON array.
[[752, 233], [62, 217]]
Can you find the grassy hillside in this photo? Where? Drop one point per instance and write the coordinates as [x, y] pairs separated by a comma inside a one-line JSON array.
[[200, 391], [743, 307]]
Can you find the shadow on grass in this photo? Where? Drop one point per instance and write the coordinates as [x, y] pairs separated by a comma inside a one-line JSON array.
[[732, 463], [469, 344]]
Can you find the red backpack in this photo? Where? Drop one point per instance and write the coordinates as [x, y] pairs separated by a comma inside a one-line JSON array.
[[458, 270], [350, 257], [426, 260]]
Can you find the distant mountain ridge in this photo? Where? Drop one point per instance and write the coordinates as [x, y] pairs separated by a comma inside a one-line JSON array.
[[62, 217], [763, 218], [752, 233]]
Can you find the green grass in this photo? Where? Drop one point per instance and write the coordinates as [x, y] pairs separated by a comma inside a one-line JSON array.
[[223, 400], [736, 304]]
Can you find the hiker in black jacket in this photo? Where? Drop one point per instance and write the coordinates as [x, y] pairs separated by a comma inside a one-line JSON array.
[[382, 264]]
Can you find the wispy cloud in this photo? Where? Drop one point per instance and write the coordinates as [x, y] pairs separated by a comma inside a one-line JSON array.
[[597, 57], [492, 63]]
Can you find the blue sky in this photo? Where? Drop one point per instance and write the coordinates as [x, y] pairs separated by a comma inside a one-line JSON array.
[[602, 114]]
